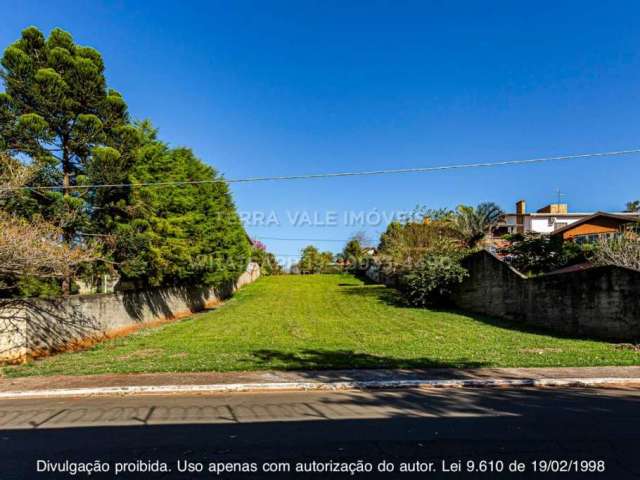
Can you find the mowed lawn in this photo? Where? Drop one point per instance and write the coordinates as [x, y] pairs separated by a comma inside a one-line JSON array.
[[323, 322]]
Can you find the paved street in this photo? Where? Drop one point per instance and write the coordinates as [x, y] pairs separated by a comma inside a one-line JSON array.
[[396, 426]]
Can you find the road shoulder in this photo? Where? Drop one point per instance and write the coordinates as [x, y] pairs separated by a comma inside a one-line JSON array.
[[212, 382]]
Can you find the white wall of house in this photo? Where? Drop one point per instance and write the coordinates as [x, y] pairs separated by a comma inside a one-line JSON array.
[[549, 223], [544, 223]]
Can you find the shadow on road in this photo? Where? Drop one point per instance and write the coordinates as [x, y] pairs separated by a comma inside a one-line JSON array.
[[398, 426]]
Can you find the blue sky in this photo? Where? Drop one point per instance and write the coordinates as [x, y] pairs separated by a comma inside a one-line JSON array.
[[277, 88]]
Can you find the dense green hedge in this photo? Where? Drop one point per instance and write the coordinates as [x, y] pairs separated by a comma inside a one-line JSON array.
[[57, 113]]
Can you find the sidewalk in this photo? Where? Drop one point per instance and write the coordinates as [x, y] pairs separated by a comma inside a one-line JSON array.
[[168, 383]]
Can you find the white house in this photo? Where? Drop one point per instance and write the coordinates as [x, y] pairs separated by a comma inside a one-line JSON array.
[[545, 220]]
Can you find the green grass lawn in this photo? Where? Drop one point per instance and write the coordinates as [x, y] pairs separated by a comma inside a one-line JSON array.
[[327, 321]]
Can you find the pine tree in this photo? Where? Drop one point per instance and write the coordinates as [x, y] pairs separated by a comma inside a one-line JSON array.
[[57, 111]]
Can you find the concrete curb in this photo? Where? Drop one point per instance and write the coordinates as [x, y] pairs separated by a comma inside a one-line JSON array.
[[321, 386]]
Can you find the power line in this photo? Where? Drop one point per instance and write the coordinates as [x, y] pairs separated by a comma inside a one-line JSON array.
[[340, 174]]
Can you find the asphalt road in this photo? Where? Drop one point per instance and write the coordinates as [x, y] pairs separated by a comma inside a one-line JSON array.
[[281, 430]]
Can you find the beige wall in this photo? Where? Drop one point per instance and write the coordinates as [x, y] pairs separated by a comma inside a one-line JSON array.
[[42, 326]]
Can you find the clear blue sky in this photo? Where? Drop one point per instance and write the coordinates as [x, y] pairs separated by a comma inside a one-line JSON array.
[[271, 88]]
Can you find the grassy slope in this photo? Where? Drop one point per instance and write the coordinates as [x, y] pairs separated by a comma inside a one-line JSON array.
[[327, 321]]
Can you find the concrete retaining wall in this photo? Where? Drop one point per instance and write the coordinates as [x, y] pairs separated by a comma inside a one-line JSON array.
[[33, 327], [602, 302]]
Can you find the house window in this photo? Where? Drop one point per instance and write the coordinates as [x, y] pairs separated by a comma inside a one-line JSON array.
[[593, 237], [584, 239]]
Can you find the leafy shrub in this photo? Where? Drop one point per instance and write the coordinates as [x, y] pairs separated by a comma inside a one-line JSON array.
[[534, 254], [426, 230], [314, 261], [268, 263], [622, 250], [410, 241], [433, 279], [38, 287]]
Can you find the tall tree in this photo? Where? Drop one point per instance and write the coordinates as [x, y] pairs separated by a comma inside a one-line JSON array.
[[314, 261], [57, 110], [174, 233], [309, 260], [352, 251]]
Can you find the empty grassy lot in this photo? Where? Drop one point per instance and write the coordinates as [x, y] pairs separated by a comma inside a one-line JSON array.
[[322, 322]]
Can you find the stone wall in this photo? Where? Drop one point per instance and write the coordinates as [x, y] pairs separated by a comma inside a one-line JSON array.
[[381, 273], [34, 327], [602, 302]]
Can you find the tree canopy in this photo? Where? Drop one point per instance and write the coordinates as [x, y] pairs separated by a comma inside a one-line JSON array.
[[633, 206], [61, 126], [168, 235], [314, 261], [352, 251], [268, 262], [476, 223], [57, 111], [438, 231]]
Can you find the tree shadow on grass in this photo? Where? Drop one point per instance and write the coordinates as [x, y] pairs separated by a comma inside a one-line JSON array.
[[392, 297], [522, 327], [37, 327], [359, 278], [315, 359], [376, 292]]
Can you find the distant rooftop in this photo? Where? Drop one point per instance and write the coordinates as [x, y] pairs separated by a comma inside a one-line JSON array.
[[558, 209]]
